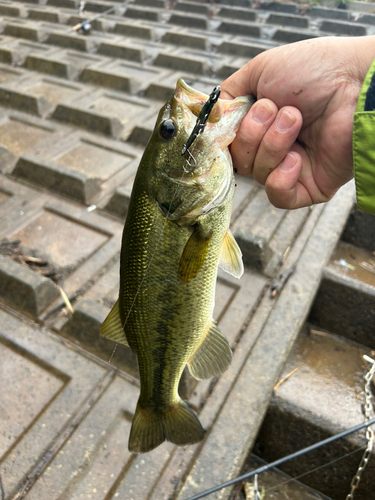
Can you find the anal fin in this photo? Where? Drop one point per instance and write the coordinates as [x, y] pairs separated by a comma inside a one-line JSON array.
[[212, 357], [112, 326]]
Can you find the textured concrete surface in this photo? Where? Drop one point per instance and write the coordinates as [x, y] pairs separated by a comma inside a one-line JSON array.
[[75, 114], [324, 396]]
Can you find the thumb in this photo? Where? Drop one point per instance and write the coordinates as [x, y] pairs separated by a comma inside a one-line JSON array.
[[245, 80]]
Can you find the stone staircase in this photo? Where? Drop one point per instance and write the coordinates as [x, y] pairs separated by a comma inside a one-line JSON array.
[[325, 394], [75, 114]]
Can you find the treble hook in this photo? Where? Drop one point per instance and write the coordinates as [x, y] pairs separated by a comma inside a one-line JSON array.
[[191, 165]]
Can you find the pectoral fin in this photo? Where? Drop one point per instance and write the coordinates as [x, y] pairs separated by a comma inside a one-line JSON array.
[[231, 256], [194, 254], [212, 357], [112, 326]]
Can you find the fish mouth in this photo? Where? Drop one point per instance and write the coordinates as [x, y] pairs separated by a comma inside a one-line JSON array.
[[224, 119]]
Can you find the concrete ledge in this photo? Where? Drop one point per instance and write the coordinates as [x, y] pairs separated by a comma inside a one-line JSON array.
[[288, 8], [240, 49], [236, 13], [36, 105], [254, 229], [67, 4], [93, 121], [24, 290], [367, 19], [157, 4], [193, 7], [295, 21], [140, 13], [12, 11], [236, 3], [56, 178], [118, 205], [51, 67], [122, 51], [160, 92], [359, 230], [72, 41], [342, 28], [185, 40], [97, 7], [108, 79], [134, 31], [180, 63], [327, 13], [25, 31], [236, 28], [345, 306], [288, 36], [45, 15], [141, 134], [196, 22]]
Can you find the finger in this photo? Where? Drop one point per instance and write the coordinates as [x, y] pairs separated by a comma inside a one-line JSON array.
[[277, 142], [250, 134], [282, 185], [292, 184]]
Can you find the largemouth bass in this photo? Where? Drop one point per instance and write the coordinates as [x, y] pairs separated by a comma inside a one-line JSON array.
[[176, 234]]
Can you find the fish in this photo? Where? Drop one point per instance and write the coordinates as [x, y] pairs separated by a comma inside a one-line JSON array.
[[175, 236]]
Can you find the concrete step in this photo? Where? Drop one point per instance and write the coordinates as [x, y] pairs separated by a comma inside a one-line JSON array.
[[276, 485], [345, 302], [322, 396]]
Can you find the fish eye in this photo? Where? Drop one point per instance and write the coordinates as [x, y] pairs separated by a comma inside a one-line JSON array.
[[167, 129]]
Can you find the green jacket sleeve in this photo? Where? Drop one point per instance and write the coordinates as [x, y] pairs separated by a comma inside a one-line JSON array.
[[364, 144]]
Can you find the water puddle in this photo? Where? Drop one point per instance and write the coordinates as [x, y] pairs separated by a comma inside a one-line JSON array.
[[354, 262]]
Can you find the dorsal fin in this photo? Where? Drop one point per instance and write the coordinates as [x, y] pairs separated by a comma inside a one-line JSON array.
[[112, 326]]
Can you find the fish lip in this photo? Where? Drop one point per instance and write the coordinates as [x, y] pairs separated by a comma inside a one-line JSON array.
[[224, 119]]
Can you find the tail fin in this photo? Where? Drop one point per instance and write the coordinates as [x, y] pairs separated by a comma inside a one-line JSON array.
[[178, 425]]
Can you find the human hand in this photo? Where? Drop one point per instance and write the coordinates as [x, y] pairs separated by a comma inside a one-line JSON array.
[[296, 139]]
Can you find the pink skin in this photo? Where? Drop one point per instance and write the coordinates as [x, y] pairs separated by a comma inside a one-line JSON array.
[[296, 140]]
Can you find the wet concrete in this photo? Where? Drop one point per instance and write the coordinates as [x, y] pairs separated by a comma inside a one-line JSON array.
[[276, 485], [354, 262], [322, 396]]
